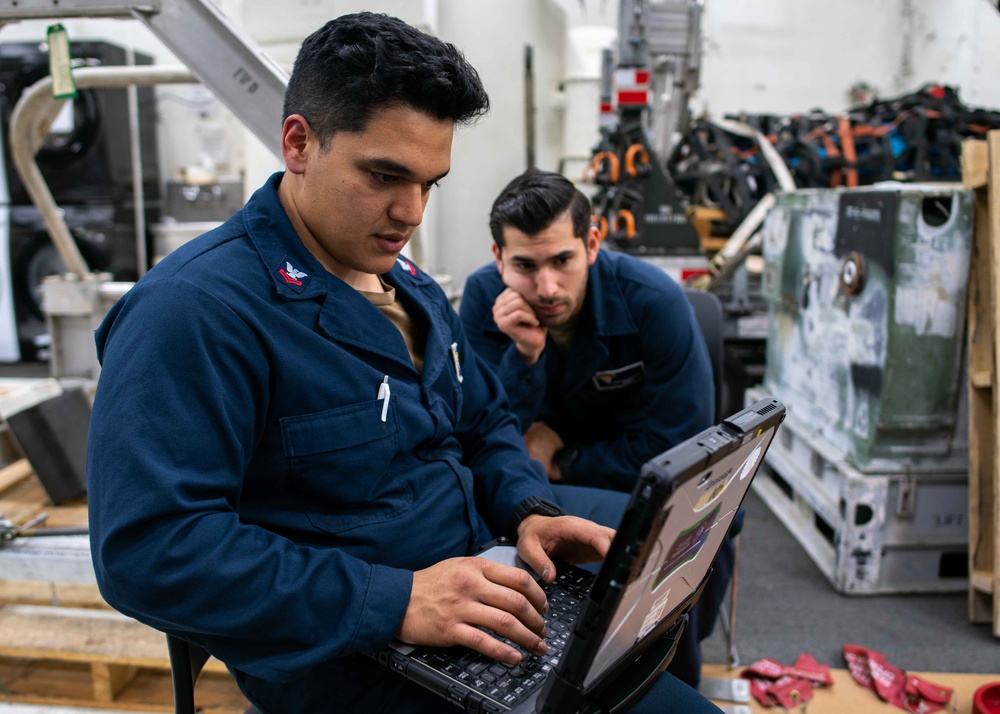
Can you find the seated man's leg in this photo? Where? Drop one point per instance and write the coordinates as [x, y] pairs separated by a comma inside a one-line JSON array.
[[594, 504], [669, 694], [686, 664]]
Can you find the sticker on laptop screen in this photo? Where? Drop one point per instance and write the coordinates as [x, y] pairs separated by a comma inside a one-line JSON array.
[[750, 463], [686, 547], [654, 616], [714, 489]]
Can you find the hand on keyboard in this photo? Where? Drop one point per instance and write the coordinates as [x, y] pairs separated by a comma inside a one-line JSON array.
[[451, 600], [573, 540]]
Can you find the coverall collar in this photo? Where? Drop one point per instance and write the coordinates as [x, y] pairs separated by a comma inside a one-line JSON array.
[[347, 316], [296, 273], [611, 316]]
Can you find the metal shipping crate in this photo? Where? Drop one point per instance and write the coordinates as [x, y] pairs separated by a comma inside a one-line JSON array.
[[868, 533], [867, 291]]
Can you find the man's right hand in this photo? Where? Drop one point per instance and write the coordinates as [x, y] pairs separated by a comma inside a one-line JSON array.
[[543, 442], [450, 600], [515, 318]]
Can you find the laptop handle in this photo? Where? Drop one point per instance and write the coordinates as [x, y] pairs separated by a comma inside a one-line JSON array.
[[560, 696]]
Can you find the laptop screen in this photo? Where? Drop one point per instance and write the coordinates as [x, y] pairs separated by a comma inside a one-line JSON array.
[[694, 518]]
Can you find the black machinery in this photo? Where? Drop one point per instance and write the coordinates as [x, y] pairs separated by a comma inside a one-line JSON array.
[[86, 163], [638, 208]]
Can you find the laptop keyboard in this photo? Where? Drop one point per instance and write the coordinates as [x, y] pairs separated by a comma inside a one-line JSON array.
[[509, 684]]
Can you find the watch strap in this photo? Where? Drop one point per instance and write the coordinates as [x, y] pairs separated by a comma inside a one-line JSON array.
[[537, 504]]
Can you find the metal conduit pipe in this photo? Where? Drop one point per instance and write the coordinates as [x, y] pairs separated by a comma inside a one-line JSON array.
[[30, 123]]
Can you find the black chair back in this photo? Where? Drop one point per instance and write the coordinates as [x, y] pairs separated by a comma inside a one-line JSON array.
[[186, 662], [708, 313]]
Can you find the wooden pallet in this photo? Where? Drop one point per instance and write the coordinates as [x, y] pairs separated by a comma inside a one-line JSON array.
[[981, 172], [85, 657], [62, 645]]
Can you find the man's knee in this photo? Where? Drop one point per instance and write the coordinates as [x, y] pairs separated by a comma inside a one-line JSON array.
[[594, 504]]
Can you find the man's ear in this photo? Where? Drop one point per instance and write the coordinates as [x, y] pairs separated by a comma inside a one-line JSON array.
[[498, 256], [297, 139], [593, 241]]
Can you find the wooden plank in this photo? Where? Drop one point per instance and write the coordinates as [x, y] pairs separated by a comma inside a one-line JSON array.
[[988, 543], [69, 515], [982, 379], [110, 680], [981, 580], [24, 498], [981, 360], [981, 172], [42, 592], [975, 163], [83, 635], [52, 683], [215, 693], [9, 475], [23, 501], [70, 684]]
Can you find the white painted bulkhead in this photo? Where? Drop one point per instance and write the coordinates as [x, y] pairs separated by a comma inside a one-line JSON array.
[[776, 56]]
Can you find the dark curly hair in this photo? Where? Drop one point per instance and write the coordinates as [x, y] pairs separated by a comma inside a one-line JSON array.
[[362, 62], [534, 200]]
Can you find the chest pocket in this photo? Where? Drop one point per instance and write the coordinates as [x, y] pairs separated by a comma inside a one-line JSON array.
[[623, 379], [339, 461]]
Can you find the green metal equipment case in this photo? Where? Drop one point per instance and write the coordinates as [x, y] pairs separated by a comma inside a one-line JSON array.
[[867, 294]]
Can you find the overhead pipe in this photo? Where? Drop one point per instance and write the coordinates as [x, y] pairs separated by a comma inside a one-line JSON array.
[[138, 188], [31, 121], [529, 105]]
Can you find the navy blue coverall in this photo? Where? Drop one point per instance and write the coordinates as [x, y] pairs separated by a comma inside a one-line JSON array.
[[251, 492]]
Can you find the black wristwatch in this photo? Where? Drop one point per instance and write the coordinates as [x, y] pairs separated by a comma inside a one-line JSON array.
[[539, 505]]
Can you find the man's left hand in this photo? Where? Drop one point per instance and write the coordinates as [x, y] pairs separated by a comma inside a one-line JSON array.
[[543, 442], [574, 540]]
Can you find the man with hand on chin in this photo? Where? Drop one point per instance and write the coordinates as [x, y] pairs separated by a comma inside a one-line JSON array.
[[599, 353]]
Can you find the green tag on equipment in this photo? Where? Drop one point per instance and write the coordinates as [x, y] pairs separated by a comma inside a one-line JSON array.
[[60, 63]]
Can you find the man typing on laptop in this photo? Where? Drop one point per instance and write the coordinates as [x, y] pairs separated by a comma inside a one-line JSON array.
[[293, 446]]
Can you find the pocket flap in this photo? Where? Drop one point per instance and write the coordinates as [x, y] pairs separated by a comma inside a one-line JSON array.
[[338, 428]]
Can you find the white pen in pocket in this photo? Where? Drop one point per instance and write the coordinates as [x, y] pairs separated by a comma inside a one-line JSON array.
[[383, 394], [454, 358]]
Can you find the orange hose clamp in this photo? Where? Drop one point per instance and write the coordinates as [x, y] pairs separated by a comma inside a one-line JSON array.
[[612, 164], [626, 216], [630, 155]]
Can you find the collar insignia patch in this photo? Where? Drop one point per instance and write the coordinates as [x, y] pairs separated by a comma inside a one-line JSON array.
[[407, 266], [293, 277]]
